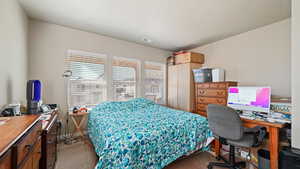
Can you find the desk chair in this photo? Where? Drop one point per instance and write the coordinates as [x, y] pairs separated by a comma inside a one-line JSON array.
[[227, 126]]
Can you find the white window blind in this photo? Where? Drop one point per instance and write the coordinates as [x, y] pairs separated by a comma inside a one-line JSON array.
[[87, 85], [124, 78], [155, 82]]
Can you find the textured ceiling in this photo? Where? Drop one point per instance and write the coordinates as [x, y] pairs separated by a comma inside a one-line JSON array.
[[168, 24]]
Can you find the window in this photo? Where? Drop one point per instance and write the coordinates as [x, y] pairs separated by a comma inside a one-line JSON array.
[[124, 77], [96, 78], [86, 85], [155, 82]]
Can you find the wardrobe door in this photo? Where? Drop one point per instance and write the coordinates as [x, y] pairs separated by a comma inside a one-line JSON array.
[[183, 87], [172, 86]]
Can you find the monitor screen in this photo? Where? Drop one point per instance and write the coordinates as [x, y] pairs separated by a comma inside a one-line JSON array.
[[249, 98]]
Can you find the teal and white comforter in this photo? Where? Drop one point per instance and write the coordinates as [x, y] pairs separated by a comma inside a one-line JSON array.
[[139, 134]]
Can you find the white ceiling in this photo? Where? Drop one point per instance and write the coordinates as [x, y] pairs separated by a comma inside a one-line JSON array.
[[169, 24]]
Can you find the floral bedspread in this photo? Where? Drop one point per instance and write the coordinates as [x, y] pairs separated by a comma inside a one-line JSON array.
[[139, 134]]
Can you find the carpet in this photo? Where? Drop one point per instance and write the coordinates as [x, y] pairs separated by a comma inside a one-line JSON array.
[[81, 156]]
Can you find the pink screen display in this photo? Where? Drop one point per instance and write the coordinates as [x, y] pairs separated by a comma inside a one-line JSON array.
[[262, 97]]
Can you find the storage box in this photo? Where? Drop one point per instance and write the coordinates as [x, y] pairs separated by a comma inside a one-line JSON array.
[[218, 75], [202, 75], [189, 57]]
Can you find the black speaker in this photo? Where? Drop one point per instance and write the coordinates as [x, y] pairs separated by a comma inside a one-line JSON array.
[[289, 158]]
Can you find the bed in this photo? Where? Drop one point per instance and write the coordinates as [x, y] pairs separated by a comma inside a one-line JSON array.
[[140, 134]]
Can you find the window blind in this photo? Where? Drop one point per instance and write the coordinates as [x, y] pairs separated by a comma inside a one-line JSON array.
[[155, 82], [124, 75], [86, 86]]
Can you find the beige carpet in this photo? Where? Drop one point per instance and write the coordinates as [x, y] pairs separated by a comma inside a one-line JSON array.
[[81, 156]]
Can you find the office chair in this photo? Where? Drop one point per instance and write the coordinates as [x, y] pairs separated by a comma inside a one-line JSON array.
[[227, 126]]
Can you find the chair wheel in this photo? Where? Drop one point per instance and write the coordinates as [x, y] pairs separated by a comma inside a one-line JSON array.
[[209, 167], [218, 158]]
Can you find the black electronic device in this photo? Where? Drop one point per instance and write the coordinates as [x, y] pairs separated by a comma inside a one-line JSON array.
[[10, 110], [7, 112], [289, 158], [53, 106]]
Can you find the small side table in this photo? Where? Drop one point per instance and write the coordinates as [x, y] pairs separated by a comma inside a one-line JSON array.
[[81, 118]]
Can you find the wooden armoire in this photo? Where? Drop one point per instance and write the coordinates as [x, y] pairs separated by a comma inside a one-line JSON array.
[[181, 86]]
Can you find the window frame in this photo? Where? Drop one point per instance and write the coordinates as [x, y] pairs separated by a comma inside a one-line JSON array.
[[164, 67], [108, 72], [137, 74], [79, 53]]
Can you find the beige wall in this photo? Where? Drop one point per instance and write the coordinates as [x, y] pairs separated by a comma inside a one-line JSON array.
[[258, 57], [13, 52], [296, 73], [48, 46]]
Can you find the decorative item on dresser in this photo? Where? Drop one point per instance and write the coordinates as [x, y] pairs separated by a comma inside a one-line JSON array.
[[211, 93], [20, 144], [49, 142]]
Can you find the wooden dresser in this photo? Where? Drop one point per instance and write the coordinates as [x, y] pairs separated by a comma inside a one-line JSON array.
[[211, 93], [20, 143]]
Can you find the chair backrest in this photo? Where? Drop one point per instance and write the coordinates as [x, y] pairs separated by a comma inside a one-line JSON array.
[[224, 122]]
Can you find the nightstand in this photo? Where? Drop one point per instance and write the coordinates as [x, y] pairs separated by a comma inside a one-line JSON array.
[[78, 120]]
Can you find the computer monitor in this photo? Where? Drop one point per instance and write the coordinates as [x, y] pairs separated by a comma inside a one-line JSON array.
[[249, 98]]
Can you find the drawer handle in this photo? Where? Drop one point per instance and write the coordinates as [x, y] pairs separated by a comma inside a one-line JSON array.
[[28, 147], [219, 93], [219, 101], [201, 100]]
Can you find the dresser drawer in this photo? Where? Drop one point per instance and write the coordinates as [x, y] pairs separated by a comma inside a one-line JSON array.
[[33, 158], [201, 113], [201, 107], [5, 161], [36, 154], [28, 163], [218, 85], [202, 85], [212, 93], [26, 145], [208, 100]]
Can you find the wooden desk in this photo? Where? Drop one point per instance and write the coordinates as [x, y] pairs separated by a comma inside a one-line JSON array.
[[273, 130]]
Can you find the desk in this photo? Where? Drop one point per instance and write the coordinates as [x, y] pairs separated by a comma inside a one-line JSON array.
[[273, 130]]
